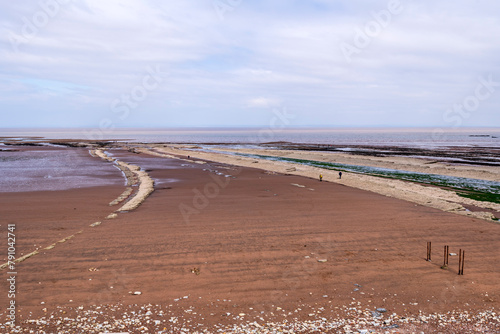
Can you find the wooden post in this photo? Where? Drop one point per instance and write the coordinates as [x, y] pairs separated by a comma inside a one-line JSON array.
[[461, 262], [427, 255], [445, 257], [428, 251]]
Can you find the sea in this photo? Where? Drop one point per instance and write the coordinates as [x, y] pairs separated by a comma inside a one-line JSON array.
[[409, 137]]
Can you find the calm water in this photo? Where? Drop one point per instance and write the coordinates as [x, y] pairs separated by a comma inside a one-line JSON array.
[[412, 137], [49, 169]]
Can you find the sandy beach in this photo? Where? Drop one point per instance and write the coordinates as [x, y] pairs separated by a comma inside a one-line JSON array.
[[215, 243], [443, 199], [252, 167]]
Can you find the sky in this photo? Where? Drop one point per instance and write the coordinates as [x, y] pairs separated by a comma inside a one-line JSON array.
[[243, 63]]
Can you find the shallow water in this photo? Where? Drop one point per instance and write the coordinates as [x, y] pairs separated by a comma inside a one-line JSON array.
[[149, 163], [54, 169]]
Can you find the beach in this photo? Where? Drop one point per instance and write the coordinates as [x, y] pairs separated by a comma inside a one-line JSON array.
[[213, 242], [260, 167]]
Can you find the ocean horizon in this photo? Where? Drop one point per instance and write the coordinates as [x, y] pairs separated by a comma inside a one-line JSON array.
[[391, 136]]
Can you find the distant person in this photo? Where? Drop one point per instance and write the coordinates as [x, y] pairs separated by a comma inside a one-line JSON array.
[[340, 175], [320, 177]]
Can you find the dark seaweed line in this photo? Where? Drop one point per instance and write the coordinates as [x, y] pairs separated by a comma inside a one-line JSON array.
[[480, 190]]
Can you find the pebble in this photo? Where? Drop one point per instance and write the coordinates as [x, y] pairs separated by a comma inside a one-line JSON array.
[[119, 318]]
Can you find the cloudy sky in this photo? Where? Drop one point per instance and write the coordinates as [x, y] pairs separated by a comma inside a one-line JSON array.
[[146, 63]]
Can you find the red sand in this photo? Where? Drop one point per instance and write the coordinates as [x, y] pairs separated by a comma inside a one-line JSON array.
[[250, 241]]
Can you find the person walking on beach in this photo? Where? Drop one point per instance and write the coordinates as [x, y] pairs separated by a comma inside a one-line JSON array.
[[340, 175], [320, 177]]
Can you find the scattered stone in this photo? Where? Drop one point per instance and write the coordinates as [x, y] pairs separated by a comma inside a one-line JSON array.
[[119, 318], [322, 260], [381, 310]]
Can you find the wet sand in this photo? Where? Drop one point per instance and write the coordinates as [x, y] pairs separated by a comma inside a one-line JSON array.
[[207, 251], [440, 198]]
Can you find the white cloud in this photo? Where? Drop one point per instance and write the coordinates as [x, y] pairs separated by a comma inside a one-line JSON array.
[[263, 102], [262, 54]]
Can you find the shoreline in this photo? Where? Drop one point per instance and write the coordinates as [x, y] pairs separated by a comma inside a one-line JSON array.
[[130, 201]]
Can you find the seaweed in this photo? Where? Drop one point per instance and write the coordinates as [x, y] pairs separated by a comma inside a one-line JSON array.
[[480, 196], [480, 190]]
